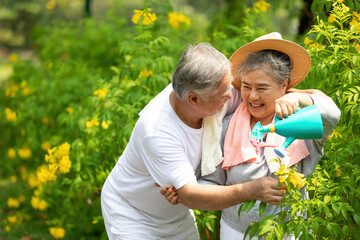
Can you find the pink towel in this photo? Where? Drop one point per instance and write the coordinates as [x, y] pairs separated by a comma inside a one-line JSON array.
[[239, 148]]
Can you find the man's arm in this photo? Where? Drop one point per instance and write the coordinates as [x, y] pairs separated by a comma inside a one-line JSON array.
[[212, 197]]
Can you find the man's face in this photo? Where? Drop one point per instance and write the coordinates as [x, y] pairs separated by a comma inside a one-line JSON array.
[[219, 98]]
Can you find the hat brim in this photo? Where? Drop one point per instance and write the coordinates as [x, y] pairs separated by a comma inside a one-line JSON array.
[[300, 58]]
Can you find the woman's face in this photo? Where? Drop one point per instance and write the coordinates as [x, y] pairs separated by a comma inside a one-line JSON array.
[[259, 92]]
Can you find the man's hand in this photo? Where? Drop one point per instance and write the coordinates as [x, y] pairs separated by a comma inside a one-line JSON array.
[[268, 190]]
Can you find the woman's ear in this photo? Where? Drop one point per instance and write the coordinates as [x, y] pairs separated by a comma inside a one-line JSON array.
[[285, 86]]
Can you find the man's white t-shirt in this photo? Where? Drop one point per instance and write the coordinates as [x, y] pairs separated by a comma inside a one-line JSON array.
[[164, 150]]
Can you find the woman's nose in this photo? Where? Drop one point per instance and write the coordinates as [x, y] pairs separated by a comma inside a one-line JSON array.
[[254, 94]]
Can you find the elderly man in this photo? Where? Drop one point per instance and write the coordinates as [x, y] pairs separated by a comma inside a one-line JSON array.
[[165, 148]]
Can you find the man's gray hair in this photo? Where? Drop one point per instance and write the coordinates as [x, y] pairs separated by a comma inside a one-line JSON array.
[[200, 70], [275, 63]]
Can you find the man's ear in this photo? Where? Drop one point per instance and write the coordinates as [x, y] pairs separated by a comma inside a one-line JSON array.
[[193, 98]]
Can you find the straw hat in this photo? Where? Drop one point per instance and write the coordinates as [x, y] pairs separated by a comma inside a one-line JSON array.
[[300, 58]]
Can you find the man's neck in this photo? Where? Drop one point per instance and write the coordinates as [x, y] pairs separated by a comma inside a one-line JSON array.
[[185, 112]]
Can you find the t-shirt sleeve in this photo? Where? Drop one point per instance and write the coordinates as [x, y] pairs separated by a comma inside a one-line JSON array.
[[166, 161]]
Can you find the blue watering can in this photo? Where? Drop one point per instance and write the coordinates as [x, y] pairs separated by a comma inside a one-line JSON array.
[[306, 123]]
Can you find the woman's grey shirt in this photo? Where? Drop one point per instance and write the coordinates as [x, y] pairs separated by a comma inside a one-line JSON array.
[[246, 172]]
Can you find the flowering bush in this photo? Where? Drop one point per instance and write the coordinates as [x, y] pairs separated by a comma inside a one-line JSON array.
[[67, 116]]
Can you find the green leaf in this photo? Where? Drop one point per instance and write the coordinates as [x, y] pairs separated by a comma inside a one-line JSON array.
[[344, 210], [315, 226], [297, 230], [262, 208], [327, 199], [336, 208], [266, 229], [250, 205], [324, 189], [242, 208], [254, 230], [327, 211]]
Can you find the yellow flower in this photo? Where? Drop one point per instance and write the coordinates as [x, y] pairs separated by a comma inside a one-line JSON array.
[[11, 153], [35, 202], [42, 205], [89, 124], [50, 4], [307, 41], [340, 1], [314, 45], [283, 173], [33, 181], [331, 18], [57, 232], [26, 91], [25, 153], [13, 179], [357, 47], [13, 203], [338, 172], [23, 172], [12, 89], [101, 92], [64, 164], [353, 22], [137, 15], [10, 115], [45, 120], [345, 8], [69, 110], [13, 58], [283, 170], [356, 15], [145, 73], [148, 17], [104, 125], [50, 158], [39, 204], [65, 147], [45, 145], [297, 179], [335, 134], [261, 5], [283, 178], [45, 174], [175, 19], [12, 219]]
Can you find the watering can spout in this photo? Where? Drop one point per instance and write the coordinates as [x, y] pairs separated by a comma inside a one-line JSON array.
[[306, 123]]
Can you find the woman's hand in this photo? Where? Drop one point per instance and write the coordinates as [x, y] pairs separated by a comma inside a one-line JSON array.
[[169, 193], [286, 105]]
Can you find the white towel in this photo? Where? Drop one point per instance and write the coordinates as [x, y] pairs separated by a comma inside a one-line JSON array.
[[211, 151]]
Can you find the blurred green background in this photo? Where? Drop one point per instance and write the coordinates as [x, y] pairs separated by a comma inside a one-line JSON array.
[[74, 74]]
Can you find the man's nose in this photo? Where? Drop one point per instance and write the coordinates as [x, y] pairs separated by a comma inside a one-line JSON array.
[[228, 96]]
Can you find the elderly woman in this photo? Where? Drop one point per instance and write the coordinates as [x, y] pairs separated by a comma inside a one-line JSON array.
[[264, 71]]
